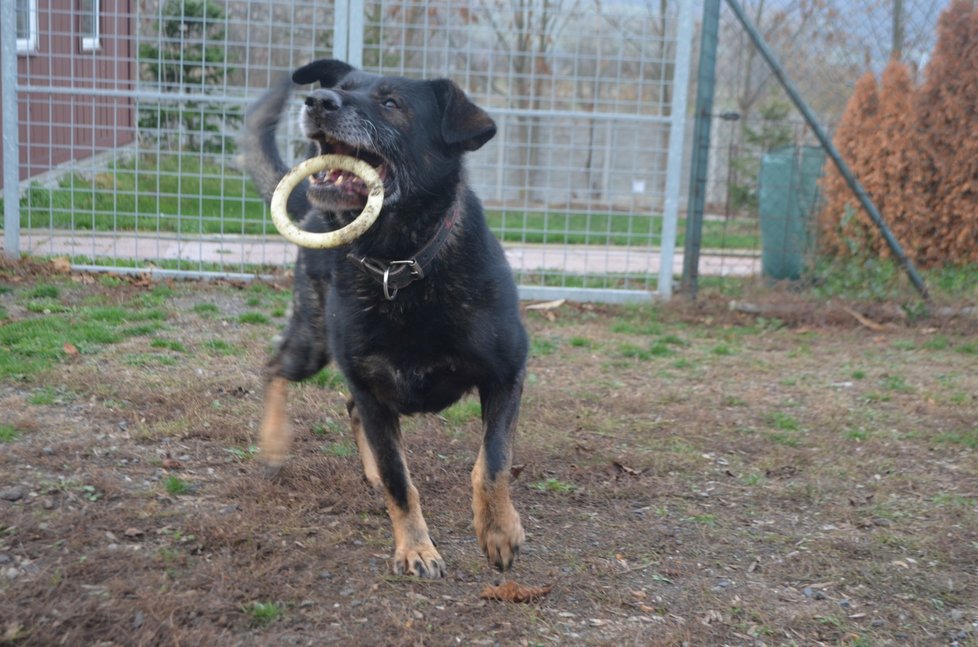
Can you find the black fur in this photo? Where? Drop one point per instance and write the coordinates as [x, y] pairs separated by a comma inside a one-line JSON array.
[[455, 330]]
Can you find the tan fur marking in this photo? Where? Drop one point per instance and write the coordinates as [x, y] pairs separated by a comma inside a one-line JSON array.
[[370, 470], [275, 436], [414, 552], [497, 524]]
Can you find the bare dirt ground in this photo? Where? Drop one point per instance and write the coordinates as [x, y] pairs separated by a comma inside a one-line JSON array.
[[690, 475]]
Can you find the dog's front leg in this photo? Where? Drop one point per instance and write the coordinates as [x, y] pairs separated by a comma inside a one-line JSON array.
[[378, 435], [497, 524]]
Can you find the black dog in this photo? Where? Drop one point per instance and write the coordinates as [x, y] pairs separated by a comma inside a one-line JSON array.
[[416, 312]]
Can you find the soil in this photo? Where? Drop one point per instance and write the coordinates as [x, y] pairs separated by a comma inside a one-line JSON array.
[[688, 474]]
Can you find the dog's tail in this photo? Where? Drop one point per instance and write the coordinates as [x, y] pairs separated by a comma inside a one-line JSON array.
[[258, 150]]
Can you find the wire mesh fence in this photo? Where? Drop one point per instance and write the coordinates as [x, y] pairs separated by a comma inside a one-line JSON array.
[[125, 114], [127, 145]]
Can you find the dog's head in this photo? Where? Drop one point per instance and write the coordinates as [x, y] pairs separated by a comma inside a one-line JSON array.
[[413, 132]]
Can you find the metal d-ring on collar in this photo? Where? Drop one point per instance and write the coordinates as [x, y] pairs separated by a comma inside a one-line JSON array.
[[416, 273]]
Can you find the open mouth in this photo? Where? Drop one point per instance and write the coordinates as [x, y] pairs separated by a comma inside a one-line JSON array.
[[344, 181]]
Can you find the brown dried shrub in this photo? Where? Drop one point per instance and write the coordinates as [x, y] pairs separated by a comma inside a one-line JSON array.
[[916, 154], [898, 196], [946, 127], [842, 224]]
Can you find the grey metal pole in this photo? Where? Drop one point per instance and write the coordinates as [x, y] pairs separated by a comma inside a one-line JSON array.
[[11, 146], [823, 138], [674, 169], [699, 164]]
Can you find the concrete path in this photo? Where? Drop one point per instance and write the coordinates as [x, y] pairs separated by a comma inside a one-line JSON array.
[[235, 251]]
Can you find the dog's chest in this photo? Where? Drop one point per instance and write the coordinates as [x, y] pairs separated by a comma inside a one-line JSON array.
[[415, 384]]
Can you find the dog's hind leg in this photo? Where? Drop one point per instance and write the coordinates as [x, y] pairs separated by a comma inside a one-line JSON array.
[[370, 470], [302, 353], [378, 430], [497, 524]]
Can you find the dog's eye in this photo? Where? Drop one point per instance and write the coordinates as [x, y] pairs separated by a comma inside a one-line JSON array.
[[390, 103]]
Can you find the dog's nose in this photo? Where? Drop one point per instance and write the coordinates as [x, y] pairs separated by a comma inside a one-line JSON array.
[[325, 100]]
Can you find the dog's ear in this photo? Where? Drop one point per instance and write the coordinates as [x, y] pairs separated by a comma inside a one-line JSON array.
[[462, 123], [327, 71]]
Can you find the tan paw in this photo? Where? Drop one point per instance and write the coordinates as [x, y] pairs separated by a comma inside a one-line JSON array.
[[500, 538], [421, 561]]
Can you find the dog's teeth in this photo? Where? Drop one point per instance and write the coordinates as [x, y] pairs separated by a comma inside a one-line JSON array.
[[339, 179]]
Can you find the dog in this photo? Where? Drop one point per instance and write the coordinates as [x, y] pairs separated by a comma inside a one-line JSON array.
[[418, 311]]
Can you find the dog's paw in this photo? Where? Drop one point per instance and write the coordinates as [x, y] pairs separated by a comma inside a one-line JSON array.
[[500, 538], [271, 471], [421, 561]]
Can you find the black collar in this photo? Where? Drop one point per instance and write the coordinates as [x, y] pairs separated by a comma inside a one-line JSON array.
[[394, 275]]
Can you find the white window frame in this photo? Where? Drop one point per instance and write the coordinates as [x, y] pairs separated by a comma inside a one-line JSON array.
[[29, 44], [93, 40]]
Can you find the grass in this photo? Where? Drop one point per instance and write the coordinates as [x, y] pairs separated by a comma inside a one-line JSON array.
[[253, 318], [574, 227], [967, 438], [186, 193], [553, 485], [243, 453], [8, 433], [462, 412], [33, 345], [220, 347], [167, 192], [206, 309], [328, 378], [875, 279], [48, 395], [168, 344], [340, 449], [175, 485], [263, 614]]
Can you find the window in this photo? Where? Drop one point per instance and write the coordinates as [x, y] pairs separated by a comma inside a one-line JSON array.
[[88, 25], [26, 26]]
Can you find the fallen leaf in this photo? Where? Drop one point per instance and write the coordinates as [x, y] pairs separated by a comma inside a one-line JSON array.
[[172, 464], [61, 265], [865, 321], [70, 349], [512, 591], [546, 305], [625, 469], [516, 470], [132, 533], [13, 631]]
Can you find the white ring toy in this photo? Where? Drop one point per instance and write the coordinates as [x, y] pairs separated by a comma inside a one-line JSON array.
[[344, 235]]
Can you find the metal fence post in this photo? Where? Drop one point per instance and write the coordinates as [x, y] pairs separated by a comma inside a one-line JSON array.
[[699, 164], [11, 146], [677, 129], [348, 25]]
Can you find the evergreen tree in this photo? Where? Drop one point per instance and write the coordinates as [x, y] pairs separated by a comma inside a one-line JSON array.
[[844, 228], [947, 123]]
